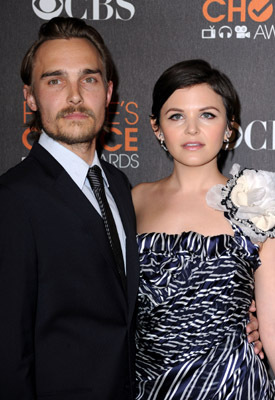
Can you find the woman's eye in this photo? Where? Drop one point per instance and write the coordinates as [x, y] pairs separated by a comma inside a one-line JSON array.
[[208, 115], [176, 117]]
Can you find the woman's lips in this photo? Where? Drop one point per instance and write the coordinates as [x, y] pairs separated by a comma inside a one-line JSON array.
[[192, 146]]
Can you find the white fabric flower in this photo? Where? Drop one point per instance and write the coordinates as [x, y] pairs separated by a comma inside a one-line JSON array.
[[249, 198], [254, 195]]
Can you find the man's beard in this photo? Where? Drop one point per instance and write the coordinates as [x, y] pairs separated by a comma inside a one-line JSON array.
[[88, 133]]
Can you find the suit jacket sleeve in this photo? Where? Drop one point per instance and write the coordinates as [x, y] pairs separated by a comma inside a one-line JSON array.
[[17, 299]]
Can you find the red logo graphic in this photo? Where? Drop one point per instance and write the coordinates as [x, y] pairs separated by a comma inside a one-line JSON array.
[[219, 10]]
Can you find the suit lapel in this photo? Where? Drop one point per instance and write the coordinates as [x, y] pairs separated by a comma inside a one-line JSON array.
[[72, 196], [124, 205]]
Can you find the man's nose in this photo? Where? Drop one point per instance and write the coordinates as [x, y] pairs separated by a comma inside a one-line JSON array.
[[74, 94]]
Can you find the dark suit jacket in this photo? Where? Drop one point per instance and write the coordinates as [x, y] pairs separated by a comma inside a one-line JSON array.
[[66, 325]]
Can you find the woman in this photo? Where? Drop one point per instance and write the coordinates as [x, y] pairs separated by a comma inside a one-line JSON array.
[[198, 264]]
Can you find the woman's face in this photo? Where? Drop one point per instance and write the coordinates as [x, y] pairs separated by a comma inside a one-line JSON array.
[[193, 122]]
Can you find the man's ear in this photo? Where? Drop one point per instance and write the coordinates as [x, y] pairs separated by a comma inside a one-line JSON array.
[[29, 97], [109, 92]]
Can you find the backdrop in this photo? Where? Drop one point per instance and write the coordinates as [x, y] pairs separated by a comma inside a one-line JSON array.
[[145, 37]]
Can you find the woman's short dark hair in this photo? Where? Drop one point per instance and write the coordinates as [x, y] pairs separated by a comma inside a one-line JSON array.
[[195, 72], [64, 28]]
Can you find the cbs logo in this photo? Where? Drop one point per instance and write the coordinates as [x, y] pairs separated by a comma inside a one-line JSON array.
[[95, 10]]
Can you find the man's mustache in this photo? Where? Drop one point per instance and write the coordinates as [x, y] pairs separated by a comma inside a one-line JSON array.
[[70, 110]]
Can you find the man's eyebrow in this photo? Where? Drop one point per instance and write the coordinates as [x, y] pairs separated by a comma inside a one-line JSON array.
[[52, 73], [87, 71], [60, 72]]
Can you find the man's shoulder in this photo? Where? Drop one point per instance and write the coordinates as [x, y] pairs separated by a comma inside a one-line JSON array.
[[39, 163], [13, 184], [18, 172]]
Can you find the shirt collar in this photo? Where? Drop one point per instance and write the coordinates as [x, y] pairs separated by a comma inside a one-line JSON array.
[[73, 164]]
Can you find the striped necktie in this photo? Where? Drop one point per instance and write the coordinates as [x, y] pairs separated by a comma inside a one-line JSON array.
[[96, 181]]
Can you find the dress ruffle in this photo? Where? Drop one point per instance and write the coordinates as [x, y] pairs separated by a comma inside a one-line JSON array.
[[249, 199], [166, 252]]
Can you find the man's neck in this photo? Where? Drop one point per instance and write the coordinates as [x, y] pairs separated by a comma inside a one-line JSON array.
[[86, 151]]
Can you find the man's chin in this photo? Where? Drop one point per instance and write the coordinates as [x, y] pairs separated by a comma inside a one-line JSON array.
[[73, 138]]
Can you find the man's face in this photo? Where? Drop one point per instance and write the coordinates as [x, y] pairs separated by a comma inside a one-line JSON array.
[[68, 90]]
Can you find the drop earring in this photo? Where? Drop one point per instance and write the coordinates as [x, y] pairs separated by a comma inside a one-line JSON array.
[[162, 142], [226, 140]]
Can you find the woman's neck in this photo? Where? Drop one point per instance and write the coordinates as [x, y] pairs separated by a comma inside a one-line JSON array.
[[196, 179]]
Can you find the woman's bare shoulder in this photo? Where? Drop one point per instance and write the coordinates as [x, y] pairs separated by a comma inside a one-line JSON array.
[[146, 187], [145, 190], [141, 188]]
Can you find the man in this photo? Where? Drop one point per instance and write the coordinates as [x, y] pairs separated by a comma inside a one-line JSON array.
[[66, 302]]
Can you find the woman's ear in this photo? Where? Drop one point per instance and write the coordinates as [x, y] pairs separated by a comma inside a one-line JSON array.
[[227, 135], [230, 127], [155, 127], [228, 131]]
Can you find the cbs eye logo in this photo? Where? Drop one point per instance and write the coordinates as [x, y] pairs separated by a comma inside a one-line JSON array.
[[93, 9], [47, 9]]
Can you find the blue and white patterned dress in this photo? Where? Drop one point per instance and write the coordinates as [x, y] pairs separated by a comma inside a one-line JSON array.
[[194, 296]]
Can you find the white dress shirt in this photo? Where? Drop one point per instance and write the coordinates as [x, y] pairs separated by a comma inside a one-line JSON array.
[[77, 168]]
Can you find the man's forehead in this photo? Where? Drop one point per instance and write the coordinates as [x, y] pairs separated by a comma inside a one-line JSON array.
[[70, 42], [67, 49], [63, 54]]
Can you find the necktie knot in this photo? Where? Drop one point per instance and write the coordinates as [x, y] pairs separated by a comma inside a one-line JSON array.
[[95, 177]]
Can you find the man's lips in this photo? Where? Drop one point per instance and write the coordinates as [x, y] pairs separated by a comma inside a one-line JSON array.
[[192, 146], [76, 115]]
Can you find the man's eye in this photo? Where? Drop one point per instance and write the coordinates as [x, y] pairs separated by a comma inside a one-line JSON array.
[[54, 82], [90, 79], [175, 117]]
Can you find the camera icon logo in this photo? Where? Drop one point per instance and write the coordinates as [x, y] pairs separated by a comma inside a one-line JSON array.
[[241, 32]]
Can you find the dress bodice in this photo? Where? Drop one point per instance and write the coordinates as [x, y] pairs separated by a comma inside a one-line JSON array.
[[194, 296]]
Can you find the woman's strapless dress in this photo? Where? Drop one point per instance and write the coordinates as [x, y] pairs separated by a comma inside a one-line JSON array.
[[194, 296]]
